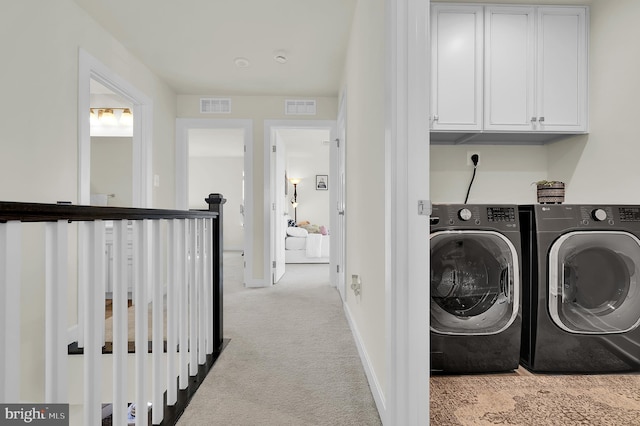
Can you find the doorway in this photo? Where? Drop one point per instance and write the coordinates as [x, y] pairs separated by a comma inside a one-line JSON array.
[[300, 155], [208, 152], [111, 132], [93, 73], [216, 164]]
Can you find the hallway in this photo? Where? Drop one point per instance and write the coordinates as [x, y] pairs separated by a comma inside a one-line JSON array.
[[291, 359]]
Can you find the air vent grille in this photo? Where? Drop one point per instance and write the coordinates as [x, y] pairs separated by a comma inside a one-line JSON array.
[[215, 105], [300, 107]]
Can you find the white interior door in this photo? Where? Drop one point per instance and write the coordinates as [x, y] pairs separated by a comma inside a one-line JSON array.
[[279, 184], [338, 212]]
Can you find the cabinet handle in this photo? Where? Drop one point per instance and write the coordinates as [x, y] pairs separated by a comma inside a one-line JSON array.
[[534, 119], [541, 119]]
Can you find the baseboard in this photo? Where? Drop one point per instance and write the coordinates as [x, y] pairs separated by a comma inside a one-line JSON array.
[[374, 385], [256, 283], [72, 334]]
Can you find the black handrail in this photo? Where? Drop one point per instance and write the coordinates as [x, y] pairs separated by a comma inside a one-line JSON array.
[[38, 212]]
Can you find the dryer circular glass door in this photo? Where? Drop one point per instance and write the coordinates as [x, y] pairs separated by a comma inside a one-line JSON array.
[[474, 282], [593, 282]]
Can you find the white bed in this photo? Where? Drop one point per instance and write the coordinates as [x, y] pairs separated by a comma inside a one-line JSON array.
[[309, 248]]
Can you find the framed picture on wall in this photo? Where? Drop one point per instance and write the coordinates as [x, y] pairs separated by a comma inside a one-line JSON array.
[[322, 182]]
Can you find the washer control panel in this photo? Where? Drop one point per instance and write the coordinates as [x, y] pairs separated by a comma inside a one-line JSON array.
[[629, 214], [501, 217], [501, 214]]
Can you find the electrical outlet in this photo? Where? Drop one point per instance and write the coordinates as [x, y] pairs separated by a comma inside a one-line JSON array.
[[471, 153], [356, 285]]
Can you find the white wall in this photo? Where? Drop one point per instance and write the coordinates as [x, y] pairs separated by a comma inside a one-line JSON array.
[[364, 81], [313, 204], [604, 167], [39, 41], [504, 173], [221, 175], [112, 169]]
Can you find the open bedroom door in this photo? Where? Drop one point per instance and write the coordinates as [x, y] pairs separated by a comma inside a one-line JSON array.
[[278, 209], [337, 201]]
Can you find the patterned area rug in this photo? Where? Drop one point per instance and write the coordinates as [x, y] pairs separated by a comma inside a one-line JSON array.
[[535, 400]]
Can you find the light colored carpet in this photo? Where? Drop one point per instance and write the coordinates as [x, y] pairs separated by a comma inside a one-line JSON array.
[[291, 359], [535, 399]]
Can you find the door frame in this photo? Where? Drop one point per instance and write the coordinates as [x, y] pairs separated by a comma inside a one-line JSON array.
[[183, 125], [278, 153], [92, 68], [270, 127], [407, 249]]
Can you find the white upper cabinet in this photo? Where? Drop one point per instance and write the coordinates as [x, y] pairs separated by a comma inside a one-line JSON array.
[[562, 64], [509, 102], [509, 68], [456, 90]]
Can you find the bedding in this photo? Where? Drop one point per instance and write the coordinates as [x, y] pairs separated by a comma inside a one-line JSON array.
[[302, 246], [295, 243], [314, 245], [297, 232]]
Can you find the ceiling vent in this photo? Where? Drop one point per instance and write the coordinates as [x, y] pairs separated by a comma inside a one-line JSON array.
[[300, 107], [215, 105]]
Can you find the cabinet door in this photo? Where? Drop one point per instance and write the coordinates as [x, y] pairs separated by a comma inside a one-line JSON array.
[[562, 69], [456, 52], [509, 98]]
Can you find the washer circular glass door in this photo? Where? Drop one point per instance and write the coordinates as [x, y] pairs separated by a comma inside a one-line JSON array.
[[593, 282], [474, 282]]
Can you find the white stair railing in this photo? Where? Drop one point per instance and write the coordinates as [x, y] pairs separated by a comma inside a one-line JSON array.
[[171, 254]]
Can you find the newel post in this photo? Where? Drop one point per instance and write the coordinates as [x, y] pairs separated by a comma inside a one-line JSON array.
[[216, 202]]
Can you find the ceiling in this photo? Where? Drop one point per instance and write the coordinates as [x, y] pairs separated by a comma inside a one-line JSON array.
[[193, 44]]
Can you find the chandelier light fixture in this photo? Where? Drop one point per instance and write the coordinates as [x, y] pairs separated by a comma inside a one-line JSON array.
[[111, 116]]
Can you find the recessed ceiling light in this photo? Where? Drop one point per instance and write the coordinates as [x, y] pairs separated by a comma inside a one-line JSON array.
[[241, 62]]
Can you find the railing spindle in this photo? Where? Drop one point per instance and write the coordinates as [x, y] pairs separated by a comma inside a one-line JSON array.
[[183, 301], [193, 298], [141, 262], [56, 281], [157, 378], [120, 322], [94, 325], [202, 294], [172, 309], [10, 282]]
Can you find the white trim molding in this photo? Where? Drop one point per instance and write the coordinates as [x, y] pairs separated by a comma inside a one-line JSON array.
[[406, 232], [376, 389]]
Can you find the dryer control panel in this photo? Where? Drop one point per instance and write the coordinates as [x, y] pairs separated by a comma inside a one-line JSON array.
[[477, 216]]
